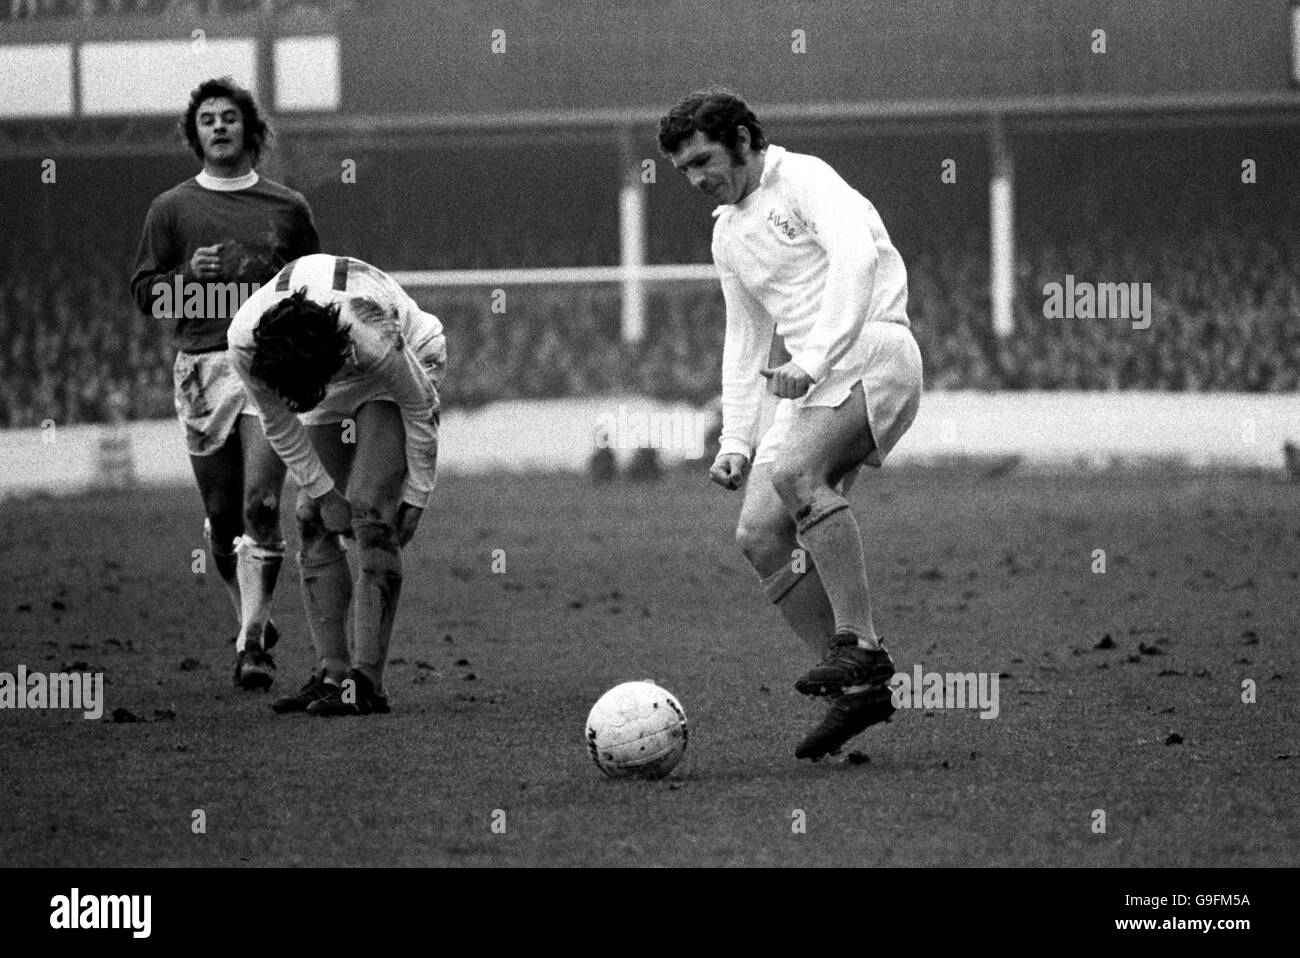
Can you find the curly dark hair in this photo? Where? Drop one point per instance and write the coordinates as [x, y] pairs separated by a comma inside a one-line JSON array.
[[717, 113], [257, 133], [298, 347]]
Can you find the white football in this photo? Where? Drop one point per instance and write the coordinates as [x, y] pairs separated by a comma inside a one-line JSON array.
[[637, 730]]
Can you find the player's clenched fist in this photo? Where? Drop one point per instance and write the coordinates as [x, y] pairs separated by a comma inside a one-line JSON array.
[[206, 262], [335, 512], [788, 381], [729, 470]]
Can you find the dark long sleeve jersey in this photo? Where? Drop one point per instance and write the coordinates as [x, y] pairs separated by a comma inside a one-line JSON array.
[[260, 228]]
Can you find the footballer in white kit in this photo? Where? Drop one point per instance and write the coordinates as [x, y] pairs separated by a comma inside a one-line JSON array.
[[343, 367], [805, 264]]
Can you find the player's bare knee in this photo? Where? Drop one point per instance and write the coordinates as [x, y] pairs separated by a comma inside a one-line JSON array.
[[262, 514], [321, 550], [762, 544], [319, 545], [225, 521], [806, 496], [373, 508], [374, 533], [311, 531], [380, 556], [311, 528], [797, 486]]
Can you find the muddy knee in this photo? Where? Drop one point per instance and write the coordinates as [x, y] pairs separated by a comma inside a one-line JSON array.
[[765, 545], [262, 514], [374, 535]]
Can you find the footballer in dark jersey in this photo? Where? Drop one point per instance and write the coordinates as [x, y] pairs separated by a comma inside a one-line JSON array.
[[208, 244]]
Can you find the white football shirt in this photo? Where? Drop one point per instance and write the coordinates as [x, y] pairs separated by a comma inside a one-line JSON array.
[[807, 254], [389, 332]]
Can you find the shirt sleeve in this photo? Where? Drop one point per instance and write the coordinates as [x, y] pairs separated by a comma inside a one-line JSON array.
[[746, 346], [158, 258], [286, 433], [839, 217], [308, 242]]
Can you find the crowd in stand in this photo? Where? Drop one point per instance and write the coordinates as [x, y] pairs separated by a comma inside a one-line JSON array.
[[1225, 316]]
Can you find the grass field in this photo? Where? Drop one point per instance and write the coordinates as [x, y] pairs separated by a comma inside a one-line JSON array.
[[493, 674]]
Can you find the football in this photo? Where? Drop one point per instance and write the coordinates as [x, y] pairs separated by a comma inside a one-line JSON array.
[[637, 730]]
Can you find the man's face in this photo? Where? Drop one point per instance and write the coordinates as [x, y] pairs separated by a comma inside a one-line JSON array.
[[713, 170], [221, 131]]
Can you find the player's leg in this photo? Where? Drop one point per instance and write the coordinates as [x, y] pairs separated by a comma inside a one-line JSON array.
[[209, 401], [326, 576], [827, 444], [824, 445], [220, 478], [208, 411], [375, 491], [261, 550], [766, 536]]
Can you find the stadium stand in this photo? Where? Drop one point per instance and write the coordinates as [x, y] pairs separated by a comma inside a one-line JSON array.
[[1226, 318]]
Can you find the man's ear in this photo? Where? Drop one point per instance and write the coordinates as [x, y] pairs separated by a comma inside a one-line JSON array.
[[743, 139]]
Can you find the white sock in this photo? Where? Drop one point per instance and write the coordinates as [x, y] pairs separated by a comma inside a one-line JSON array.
[[258, 569]]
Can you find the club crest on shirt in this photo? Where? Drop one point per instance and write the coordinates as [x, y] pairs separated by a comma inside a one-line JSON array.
[[782, 222]]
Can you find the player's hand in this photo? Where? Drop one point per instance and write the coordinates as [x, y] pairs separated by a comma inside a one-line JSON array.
[[729, 470], [408, 520], [206, 262], [335, 512], [788, 381]]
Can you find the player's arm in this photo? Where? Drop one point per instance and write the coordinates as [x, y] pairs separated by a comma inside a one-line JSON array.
[[743, 353], [160, 258], [305, 239], [157, 260], [840, 219], [416, 397], [415, 389]]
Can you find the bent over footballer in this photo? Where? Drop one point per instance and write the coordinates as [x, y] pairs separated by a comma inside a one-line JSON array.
[[344, 368], [805, 263]]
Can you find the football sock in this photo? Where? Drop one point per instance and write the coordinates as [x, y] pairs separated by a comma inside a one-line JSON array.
[[327, 594], [379, 586], [802, 601], [223, 557], [829, 531], [258, 569]]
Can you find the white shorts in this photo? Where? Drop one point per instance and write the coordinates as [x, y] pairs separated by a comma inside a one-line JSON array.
[[345, 397], [891, 384], [209, 400]]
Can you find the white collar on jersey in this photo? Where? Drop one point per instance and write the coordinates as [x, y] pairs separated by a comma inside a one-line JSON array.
[[770, 159], [210, 182]]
